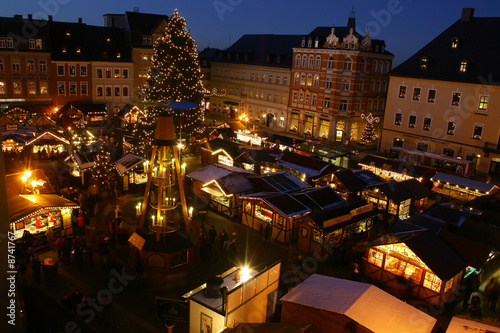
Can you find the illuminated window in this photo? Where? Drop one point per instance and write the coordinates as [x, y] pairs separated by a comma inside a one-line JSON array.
[[416, 94], [32, 88], [431, 96], [375, 257], [448, 152], [432, 282], [483, 102], [412, 121], [455, 100], [108, 73], [16, 65], [326, 102], [424, 63], [3, 90], [413, 273], [398, 142], [463, 66], [309, 80], [402, 92], [44, 87], [478, 132], [427, 124], [61, 88], [296, 79], [72, 70], [316, 81], [394, 265], [455, 42], [117, 73], [302, 79], [317, 236]]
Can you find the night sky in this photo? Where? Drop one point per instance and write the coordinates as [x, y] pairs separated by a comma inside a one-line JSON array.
[[405, 25]]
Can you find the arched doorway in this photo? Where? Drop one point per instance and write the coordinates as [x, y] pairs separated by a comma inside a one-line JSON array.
[[269, 119]]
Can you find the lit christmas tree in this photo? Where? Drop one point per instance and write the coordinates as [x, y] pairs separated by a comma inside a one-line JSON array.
[[368, 134], [103, 174], [175, 75]]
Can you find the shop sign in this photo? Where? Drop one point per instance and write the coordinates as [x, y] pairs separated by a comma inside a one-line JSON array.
[[311, 113], [172, 310], [361, 210]]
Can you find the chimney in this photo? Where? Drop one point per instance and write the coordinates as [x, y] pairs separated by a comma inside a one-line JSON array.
[[467, 14], [80, 20], [30, 17], [50, 18], [17, 16]]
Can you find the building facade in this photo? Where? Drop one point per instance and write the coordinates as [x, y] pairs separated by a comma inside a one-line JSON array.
[[338, 75], [443, 101]]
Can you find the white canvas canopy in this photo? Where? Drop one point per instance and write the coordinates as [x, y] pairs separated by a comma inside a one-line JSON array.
[[461, 325], [367, 305]]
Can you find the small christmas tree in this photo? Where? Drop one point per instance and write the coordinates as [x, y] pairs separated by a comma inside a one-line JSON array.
[[175, 75], [368, 134], [103, 174]]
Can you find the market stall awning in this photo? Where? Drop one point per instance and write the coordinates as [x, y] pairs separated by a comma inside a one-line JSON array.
[[465, 182], [127, 162], [23, 206]]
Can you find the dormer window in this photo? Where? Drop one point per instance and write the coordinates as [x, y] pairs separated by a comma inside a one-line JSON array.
[[464, 64], [455, 42], [63, 50], [78, 51], [316, 42], [309, 42], [68, 34], [303, 44], [424, 63], [118, 55], [108, 40]]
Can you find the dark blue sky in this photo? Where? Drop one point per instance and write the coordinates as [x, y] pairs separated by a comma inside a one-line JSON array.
[[405, 25]]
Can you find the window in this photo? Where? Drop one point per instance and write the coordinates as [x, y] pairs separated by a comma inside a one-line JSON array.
[[278, 79], [329, 64], [328, 83], [3, 90], [372, 86], [294, 98], [285, 80], [318, 62], [398, 142], [424, 63], [117, 91], [42, 65], [99, 73], [31, 43], [108, 73], [375, 257], [412, 121], [362, 67], [297, 60], [72, 70], [345, 85], [402, 92], [63, 50], [78, 50], [252, 77], [270, 79], [311, 61], [378, 86], [38, 43], [380, 66], [30, 65], [99, 91], [118, 55], [125, 91], [422, 146], [463, 66], [316, 81], [386, 67], [398, 119], [451, 128], [61, 88], [343, 105], [32, 88], [454, 42], [348, 64], [455, 100], [384, 86], [276, 99], [16, 65], [17, 87], [374, 67], [296, 79], [375, 105], [360, 86], [108, 91], [448, 152], [427, 124], [483, 102], [303, 43], [326, 103], [308, 99], [432, 282], [314, 100], [302, 79], [2, 67], [309, 80], [60, 70], [478, 132], [301, 97], [83, 89], [309, 42], [304, 60], [10, 43], [72, 88], [117, 73], [44, 87], [431, 96], [83, 70], [416, 94], [2, 42]]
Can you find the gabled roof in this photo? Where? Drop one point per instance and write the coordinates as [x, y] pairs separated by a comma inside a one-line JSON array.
[[475, 45], [369, 178], [465, 182], [283, 203], [416, 188], [283, 182], [47, 137], [285, 140], [327, 219], [318, 198], [70, 36], [41, 120], [311, 166], [144, 23], [23, 206], [369, 306], [258, 155], [128, 162], [234, 183], [263, 50], [349, 180], [20, 29], [395, 191], [214, 172]]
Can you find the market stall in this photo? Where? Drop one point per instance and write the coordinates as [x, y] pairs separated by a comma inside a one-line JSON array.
[[47, 142], [461, 188], [392, 169]]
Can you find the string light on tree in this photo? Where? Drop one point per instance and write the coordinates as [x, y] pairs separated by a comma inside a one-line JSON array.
[[175, 75], [103, 172], [368, 134]]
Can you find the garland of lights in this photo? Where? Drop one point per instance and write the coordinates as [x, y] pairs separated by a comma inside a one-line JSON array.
[[103, 173], [175, 75]]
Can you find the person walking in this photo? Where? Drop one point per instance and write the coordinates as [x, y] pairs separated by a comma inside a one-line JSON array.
[[81, 225]]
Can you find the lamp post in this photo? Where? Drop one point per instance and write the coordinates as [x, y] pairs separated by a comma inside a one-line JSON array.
[[244, 118]]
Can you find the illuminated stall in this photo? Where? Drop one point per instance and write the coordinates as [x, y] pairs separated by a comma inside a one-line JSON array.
[[432, 270], [391, 198], [35, 213], [220, 151], [393, 169], [128, 166], [48, 141], [330, 227], [461, 188], [238, 295]]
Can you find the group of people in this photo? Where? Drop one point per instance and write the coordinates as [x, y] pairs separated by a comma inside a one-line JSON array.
[[209, 243]]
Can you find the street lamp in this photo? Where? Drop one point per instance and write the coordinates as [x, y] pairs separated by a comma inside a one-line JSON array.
[[244, 118]]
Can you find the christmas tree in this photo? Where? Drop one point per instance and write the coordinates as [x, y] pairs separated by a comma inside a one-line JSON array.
[[103, 174], [368, 134], [175, 75]]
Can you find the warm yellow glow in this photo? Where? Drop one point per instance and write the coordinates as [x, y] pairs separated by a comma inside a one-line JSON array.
[[180, 146], [27, 173], [245, 274], [33, 183], [24, 178]]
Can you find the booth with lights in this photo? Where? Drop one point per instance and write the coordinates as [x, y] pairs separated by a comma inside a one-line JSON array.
[[48, 141], [431, 269], [461, 188], [36, 212]]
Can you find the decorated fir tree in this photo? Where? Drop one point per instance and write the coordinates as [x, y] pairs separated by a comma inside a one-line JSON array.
[[103, 174], [368, 134], [175, 75]]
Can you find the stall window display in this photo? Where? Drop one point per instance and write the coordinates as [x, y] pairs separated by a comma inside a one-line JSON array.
[[221, 200], [263, 214], [375, 257], [413, 273], [317, 236], [395, 265], [432, 282], [280, 222], [248, 208], [38, 223]]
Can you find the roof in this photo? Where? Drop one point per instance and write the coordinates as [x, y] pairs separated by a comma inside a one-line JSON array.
[[208, 53], [285, 140], [286, 204], [416, 188], [366, 304], [277, 182], [47, 137], [14, 185], [474, 45], [462, 325], [258, 155], [271, 328], [214, 172], [349, 180], [395, 191], [369, 178], [464, 182], [318, 197], [327, 219], [262, 50], [41, 120], [19, 28], [234, 183], [22, 206], [310, 166], [144, 23], [127, 162]]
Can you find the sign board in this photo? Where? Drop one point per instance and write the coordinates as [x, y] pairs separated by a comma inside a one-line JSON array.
[[11, 127], [137, 241], [172, 310]]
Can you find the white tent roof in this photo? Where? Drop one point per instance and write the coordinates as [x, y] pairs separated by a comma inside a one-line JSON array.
[[215, 172], [366, 304], [461, 325]]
